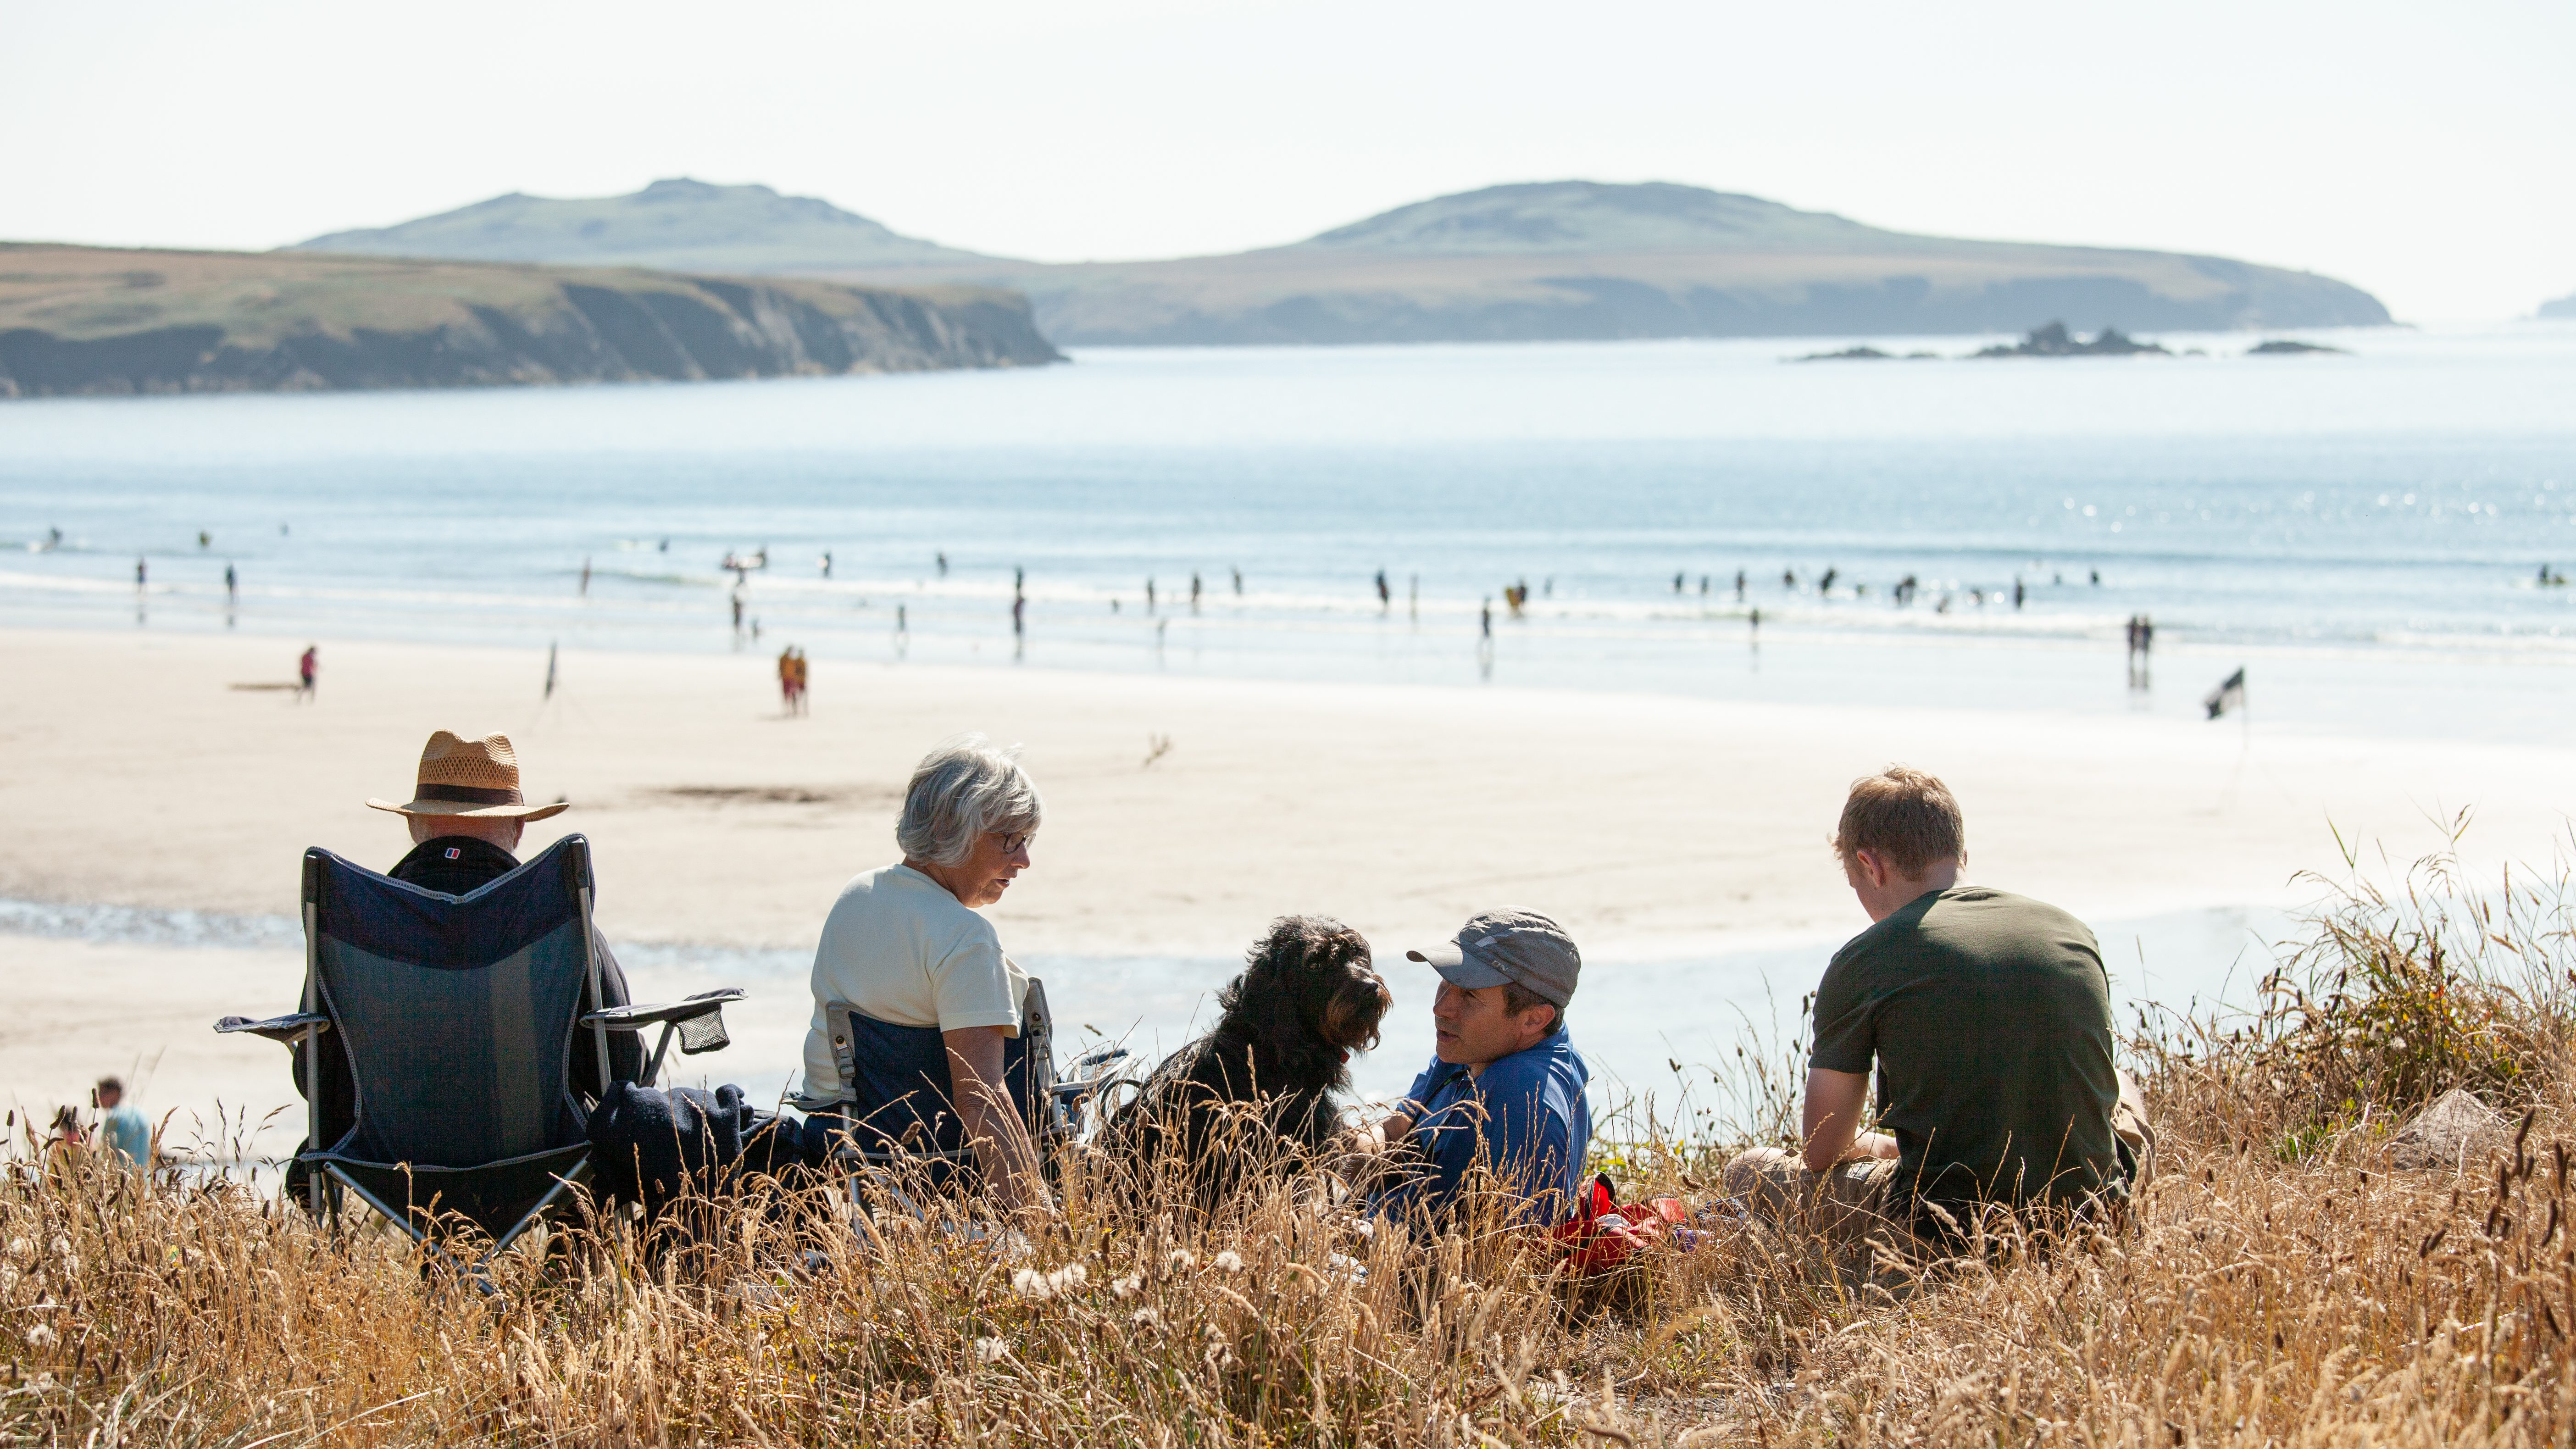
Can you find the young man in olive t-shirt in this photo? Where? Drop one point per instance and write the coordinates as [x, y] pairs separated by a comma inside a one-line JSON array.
[[1988, 1017]]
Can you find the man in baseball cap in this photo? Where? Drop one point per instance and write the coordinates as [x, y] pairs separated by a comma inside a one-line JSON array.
[[1504, 1091]]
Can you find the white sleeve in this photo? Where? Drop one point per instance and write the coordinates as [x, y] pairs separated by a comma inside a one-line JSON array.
[[972, 984]]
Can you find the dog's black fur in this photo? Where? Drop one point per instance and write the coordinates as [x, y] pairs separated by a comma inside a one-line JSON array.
[[1256, 1095]]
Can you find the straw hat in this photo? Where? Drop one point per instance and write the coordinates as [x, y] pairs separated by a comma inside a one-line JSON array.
[[470, 777]]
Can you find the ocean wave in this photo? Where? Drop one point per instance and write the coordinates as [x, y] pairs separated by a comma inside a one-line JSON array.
[[150, 926]]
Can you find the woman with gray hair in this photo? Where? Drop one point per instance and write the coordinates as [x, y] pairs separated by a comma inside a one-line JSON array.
[[905, 947]]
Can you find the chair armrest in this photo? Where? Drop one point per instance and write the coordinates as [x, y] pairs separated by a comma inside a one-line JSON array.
[[636, 1018], [276, 1028], [1097, 1064], [848, 1155]]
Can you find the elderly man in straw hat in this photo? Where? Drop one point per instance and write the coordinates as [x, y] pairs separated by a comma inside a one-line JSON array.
[[466, 814]]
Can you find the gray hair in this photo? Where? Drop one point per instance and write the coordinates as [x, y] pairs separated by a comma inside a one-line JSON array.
[[963, 789]]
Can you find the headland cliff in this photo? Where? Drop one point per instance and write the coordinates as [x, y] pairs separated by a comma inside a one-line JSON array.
[[94, 320]]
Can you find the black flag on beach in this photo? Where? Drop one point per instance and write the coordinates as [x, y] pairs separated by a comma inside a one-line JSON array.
[[2230, 695]]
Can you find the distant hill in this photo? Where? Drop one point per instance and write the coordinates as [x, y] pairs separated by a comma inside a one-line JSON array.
[[1576, 259], [676, 225], [1545, 260], [1558, 217], [98, 320], [2563, 307]]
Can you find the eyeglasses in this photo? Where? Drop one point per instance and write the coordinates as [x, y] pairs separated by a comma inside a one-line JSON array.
[[1014, 844]]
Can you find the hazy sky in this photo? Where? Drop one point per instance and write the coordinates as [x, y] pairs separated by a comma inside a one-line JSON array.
[[2426, 152]]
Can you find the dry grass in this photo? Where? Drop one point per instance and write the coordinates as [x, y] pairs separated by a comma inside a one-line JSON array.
[[2280, 1286]]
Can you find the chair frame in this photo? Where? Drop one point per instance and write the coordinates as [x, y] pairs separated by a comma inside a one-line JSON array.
[[302, 1031], [885, 1168]]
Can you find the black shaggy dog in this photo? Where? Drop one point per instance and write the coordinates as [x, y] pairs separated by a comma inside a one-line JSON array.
[[1255, 1096]]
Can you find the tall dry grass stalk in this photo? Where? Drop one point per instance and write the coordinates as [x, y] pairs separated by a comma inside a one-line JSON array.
[[2279, 1285]]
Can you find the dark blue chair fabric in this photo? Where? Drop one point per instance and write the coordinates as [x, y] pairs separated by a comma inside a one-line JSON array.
[[457, 1013], [899, 1085]]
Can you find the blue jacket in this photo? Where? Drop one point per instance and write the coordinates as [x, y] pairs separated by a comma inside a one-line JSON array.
[[1524, 1120]]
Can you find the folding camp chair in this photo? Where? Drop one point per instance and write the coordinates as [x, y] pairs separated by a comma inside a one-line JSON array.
[[895, 1112], [457, 1017]]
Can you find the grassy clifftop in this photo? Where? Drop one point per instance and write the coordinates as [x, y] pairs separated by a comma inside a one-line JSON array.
[[99, 320]]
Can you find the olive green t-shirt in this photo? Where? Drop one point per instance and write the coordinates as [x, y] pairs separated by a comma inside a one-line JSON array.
[[1989, 1016]]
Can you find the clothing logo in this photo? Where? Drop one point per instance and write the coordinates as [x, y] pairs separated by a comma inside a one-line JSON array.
[[453, 852]]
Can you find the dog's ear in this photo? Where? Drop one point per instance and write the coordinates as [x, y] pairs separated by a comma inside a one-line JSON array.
[[1257, 994]]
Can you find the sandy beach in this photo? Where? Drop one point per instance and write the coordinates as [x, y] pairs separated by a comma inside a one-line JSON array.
[[136, 773]]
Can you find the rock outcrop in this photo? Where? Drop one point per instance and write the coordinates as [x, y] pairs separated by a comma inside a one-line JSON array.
[[2054, 340], [2456, 1131], [81, 320]]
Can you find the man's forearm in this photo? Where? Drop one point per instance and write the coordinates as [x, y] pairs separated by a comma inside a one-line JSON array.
[[1831, 1117], [1364, 1145]]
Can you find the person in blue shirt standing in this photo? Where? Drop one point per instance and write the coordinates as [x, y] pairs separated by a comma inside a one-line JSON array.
[[1504, 1091], [120, 1126]]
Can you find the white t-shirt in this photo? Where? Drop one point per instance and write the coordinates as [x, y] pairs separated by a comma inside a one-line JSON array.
[[900, 948]]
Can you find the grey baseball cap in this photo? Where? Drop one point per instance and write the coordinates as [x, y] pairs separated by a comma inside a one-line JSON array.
[[1522, 948]]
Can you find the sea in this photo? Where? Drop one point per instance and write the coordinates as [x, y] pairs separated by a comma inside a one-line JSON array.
[[2378, 536]]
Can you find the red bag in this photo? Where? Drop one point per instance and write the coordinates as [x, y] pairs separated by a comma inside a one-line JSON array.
[[1602, 1234]]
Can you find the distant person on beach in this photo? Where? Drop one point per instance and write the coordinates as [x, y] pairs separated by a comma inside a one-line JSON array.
[[905, 945], [1987, 1017], [63, 1143], [139, 574], [737, 609], [826, 563], [943, 563], [465, 817], [1385, 596], [306, 669], [787, 678], [1194, 591], [232, 584], [1019, 616], [1485, 620], [585, 578], [123, 1127], [1238, 582], [1504, 1090]]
